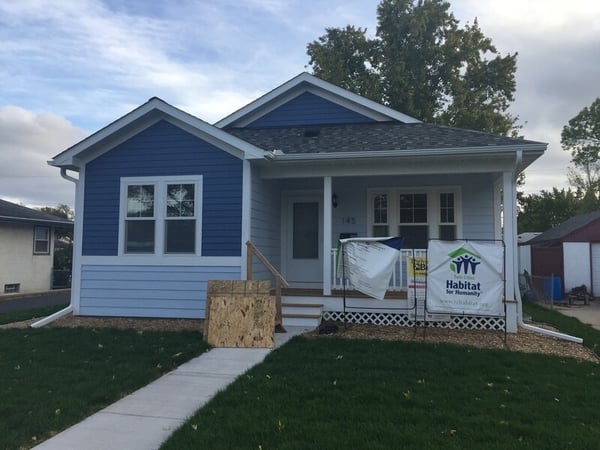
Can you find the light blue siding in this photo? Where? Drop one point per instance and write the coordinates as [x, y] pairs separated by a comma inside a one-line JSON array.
[[265, 230], [164, 150], [351, 214], [149, 291], [309, 109]]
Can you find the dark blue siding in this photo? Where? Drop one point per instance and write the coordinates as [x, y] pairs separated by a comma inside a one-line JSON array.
[[165, 150], [309, 109]]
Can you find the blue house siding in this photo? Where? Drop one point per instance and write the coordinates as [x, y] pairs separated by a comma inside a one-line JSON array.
[[148, 291], [164, 150], [309, 109], [265, 230]]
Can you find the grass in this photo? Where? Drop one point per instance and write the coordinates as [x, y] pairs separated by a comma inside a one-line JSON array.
[[331, 393], [18, 316], [568, 325], [53, 378]]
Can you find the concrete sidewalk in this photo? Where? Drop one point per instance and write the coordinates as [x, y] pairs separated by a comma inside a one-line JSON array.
[[146, 418], [588, 314]]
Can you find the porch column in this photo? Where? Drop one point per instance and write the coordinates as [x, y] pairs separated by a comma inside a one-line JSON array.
[[246, 219], [327, 211], [509, 201]]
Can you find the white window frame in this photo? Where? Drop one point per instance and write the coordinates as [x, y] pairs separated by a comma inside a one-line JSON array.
[[47, 241], [160, 214], [433, 208]]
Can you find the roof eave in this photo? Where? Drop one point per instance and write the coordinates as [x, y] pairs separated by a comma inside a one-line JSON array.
[[530, 148]]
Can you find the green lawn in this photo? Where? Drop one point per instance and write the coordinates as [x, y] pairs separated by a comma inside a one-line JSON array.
[[19, 316], [569, 325], [51, 378], [331, 393]]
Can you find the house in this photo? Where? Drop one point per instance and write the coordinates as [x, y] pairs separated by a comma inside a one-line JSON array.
[[571, 252], [166, 201], [27, 248]]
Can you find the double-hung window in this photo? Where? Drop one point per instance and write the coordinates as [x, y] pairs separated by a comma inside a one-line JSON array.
[[416, 214], [41, 240], [160, 216]]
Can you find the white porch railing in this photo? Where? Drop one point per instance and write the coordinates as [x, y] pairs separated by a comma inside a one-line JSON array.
[[399, 281]]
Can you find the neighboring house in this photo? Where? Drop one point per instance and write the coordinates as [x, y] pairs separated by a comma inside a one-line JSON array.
[[167, 201], [570, 251], [26, 248], [525, 250]]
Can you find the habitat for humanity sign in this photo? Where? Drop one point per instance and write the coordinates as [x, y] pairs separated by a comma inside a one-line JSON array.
[[465, 277], [368, 263]]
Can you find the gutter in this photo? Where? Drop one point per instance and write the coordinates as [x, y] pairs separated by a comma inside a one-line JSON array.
[[521, 323], [68, 309], [277, 155], [53, 317]]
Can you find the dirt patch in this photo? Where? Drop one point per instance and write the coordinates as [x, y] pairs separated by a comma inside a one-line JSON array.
[[522, 341]]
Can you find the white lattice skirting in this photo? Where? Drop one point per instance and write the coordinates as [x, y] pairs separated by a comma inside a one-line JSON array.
[[404, 320]]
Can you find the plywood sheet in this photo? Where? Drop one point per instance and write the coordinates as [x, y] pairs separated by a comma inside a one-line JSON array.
[[240, 314]]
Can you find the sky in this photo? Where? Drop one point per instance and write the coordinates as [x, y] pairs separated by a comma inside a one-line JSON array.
[[70, 67]]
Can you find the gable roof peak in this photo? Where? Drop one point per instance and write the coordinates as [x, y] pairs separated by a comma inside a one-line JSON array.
[[305, 82]]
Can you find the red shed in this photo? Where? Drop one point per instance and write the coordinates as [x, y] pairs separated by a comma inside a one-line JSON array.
[[571, 251]]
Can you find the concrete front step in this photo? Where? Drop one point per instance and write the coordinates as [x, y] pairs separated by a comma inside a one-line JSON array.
[[301, 314]]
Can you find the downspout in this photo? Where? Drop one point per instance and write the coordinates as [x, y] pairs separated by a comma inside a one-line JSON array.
[[69, 309], [556, 334]]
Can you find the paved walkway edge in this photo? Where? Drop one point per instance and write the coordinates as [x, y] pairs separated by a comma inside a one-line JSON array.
[[144, 419]]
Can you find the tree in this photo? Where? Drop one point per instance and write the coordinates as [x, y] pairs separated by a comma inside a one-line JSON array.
[[62, 210], [581, 136], [540, 212], [423, 64]]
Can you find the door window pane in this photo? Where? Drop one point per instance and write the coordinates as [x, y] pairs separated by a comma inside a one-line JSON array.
[[415, 236], [305, 233], [413, 208]]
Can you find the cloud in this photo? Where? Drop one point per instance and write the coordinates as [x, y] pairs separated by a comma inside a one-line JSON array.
[[27, 141]]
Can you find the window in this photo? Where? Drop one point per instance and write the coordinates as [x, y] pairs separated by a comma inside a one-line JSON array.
[[41, 240], [447, 221], [180, 225], [380, 215], [417, 215], [140, 223], [160, 216], [12, 288]]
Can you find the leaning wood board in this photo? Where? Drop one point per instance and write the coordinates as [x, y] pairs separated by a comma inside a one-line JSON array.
[[240, 314]]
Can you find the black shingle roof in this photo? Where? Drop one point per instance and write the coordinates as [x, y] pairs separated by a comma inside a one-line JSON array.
[[11, 212], [566, 228], [380, 136]]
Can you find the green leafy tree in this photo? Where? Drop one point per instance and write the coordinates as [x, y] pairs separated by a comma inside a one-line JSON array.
[[423, 64], [62, 210], [581, 136], [540, 212]]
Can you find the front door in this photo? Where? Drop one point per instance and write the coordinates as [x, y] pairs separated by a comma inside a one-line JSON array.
[[303, 241]]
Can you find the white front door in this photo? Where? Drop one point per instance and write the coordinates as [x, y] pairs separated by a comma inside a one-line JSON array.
[[303, 243]]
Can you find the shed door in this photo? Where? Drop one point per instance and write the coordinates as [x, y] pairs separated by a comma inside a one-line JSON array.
[[596, 270]]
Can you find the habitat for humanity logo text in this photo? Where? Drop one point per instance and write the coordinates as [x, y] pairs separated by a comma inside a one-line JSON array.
[[463, 265]]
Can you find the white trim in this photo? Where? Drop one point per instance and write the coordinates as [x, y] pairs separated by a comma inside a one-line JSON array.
[[246, 214], [510, 242], [327, 231], [433, 207], [306, 82], [160, 190], [142, 117], [168, 260]]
